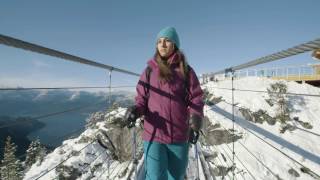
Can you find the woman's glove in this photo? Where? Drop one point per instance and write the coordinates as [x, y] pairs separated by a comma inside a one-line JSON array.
[[193, 136], [195, 124], [130, 117]]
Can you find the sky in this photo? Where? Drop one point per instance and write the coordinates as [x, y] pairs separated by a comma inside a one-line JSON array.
[[214, 35]]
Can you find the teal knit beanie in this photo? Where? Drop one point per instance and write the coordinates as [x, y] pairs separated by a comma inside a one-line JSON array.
[[171, 34]]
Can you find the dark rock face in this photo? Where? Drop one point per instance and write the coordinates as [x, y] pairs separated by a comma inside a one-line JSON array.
[[119, 139], [293, 172], [215, 135], [67, 172], [259, 116], [209, 99], [218, 137]]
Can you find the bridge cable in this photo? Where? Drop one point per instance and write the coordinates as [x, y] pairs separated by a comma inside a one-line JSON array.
[[248, 90], [230, 158], [109, 99], [238, 160], [49, 88], [10, 41], [221, 161], [251, 153], [289, 157], [302, 48], [68, 157], [307, 131]]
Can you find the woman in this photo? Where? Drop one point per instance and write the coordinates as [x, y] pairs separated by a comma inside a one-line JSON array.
[[170, 98]]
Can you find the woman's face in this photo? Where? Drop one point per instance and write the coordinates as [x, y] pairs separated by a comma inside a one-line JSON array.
[[165, 47]]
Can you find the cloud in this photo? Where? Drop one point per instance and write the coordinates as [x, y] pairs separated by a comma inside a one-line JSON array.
[[38, 81], [40, 64]]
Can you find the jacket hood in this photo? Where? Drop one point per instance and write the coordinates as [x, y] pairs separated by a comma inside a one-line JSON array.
[[152, 63]]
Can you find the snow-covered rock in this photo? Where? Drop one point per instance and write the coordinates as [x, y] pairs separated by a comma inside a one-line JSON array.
[[298, 144], [91, 156]]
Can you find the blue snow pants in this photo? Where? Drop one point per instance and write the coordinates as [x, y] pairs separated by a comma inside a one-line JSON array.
[[165, 161]]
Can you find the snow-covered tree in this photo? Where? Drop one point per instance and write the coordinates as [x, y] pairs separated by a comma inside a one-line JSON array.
[[11, 167], [35, 153], [277, 94]]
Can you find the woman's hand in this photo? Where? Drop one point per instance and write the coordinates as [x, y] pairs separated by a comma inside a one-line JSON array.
[[130, 117], [195, 122]]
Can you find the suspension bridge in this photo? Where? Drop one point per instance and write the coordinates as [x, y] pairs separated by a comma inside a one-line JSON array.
[[199, 167]]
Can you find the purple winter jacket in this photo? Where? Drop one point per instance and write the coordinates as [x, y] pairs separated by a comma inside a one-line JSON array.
[[167, 117]]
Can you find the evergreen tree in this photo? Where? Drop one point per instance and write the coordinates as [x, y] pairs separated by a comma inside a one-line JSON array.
[[277, 93], [41, 155], [11, 167], [31, 155], [35, 153]]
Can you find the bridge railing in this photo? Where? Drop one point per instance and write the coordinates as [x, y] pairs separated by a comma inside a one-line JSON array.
[[242, 70], [294, 73]]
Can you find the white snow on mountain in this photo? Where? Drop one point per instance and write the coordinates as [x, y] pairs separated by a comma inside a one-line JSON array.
[[85, 155]]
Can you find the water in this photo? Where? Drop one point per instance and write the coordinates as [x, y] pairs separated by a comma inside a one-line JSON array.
[[61, 127], [57, 127]]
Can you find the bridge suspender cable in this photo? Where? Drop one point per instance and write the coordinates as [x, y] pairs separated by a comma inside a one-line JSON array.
[[233, 131], [71, 155]]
